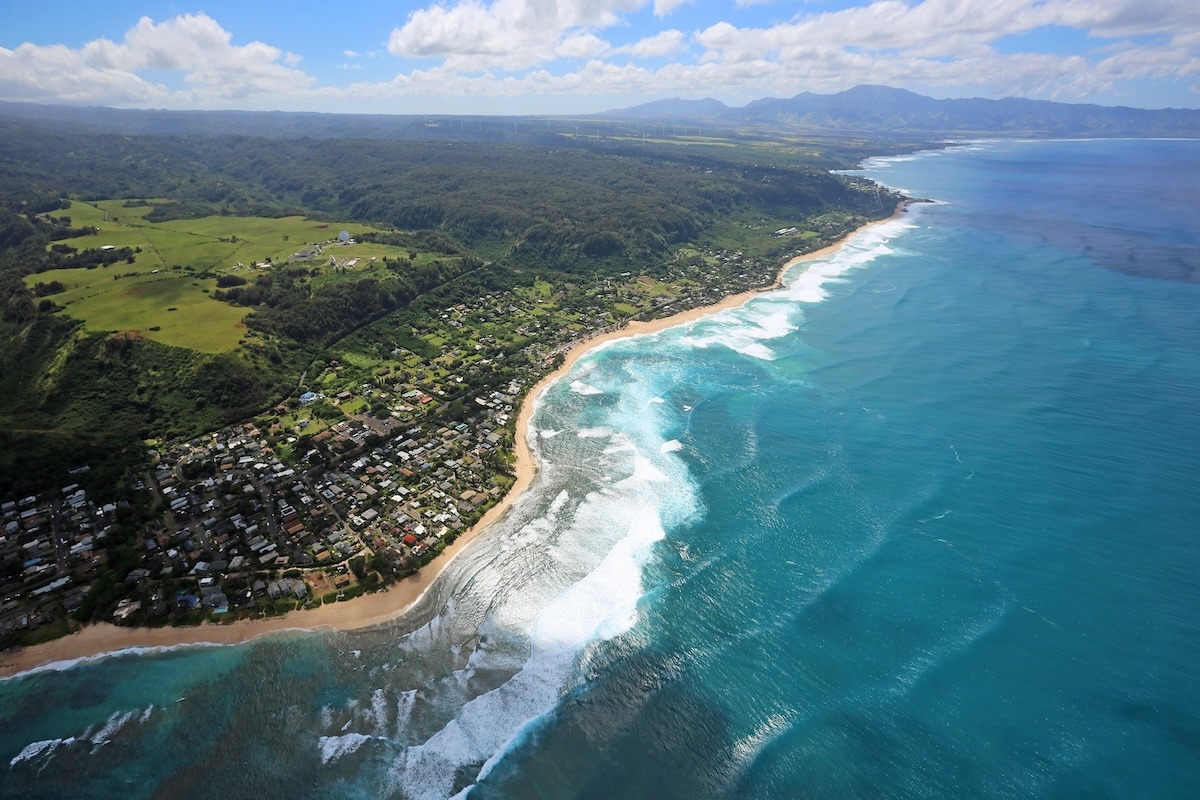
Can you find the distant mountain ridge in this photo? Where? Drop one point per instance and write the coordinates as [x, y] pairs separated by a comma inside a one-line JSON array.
[[675, 107], [866, 111], [883, 109]]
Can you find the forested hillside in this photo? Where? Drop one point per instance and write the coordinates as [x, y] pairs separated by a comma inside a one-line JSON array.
[[484, 216]]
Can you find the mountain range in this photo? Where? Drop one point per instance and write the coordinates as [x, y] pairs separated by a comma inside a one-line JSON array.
[[883, 109], [864, 111]]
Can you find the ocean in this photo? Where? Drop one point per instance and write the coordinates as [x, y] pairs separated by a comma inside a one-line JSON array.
[[925, 523]]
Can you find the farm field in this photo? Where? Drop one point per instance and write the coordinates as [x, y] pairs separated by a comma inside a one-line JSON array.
[[164, 293]]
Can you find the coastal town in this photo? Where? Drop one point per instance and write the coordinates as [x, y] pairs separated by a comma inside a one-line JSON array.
[[383, 456]]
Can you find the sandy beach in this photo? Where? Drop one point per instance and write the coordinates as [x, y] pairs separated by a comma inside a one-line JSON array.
[[373, 609]]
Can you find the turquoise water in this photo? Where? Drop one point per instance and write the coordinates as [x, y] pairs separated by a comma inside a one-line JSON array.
[[923, 524]]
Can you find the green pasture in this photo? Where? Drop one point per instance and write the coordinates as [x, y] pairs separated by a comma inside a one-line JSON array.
[[214, 243], [177, 265], [652, 288], [170, 308]]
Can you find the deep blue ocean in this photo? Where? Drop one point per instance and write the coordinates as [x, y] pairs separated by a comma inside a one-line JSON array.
[[925, 523]]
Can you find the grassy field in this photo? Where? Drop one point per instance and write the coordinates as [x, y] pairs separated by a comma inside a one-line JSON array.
[[171, 308], [164, 293]]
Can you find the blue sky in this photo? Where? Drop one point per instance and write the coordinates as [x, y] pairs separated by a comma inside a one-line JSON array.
[[573, 56]]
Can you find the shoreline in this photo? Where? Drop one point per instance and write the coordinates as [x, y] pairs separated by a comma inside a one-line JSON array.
[[103, 639]]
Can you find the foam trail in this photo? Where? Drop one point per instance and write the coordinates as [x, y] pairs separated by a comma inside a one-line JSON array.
[[66, 664], [335, 747], [114, 724], [600, 606], [557, 504], [746, 330], [35, 749], [553, 585], [404, 707], [579, 387], [747, 337], [808, 284], [379, 711]]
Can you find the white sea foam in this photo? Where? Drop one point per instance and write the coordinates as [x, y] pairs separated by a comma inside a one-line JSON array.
[[645, 470], [33, 750], [116, 721], [379, 712], [598, 604], [62, 666], [585, 366], [335, 747], [807, 284], [602, 605], [404, 708], [744, 330], [548, 434], [542, 591], [535, 530], [620, 444], [560, 500], [747, 748], [586, 609], [880, 163], [579, 387]]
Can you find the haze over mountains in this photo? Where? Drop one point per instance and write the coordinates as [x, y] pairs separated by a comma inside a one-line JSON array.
[[877, 111]]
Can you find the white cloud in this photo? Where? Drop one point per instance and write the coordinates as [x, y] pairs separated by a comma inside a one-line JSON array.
[[584, 45], [662, 44], [1129, 17], [950, 26], [664, 7], [511, 34], [530, 48], [193, 45], [58, 73], [950, 43]]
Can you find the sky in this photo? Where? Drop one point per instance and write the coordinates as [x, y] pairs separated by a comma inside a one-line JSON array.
[[580, 56]]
